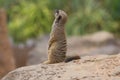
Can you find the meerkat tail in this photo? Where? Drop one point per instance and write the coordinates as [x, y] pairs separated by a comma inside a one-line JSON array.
[[70, 58]]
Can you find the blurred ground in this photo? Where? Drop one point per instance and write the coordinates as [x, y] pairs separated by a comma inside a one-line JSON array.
[[98, 43]]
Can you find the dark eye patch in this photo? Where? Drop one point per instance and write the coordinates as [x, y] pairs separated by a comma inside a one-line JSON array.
[[58, 19]]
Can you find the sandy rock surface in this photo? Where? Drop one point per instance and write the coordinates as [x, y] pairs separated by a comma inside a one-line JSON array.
[[102, 67]]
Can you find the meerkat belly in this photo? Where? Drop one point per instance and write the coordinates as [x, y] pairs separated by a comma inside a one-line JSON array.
[[57, 51]]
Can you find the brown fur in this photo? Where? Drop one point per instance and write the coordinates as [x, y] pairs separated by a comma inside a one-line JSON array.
[[57, 43]]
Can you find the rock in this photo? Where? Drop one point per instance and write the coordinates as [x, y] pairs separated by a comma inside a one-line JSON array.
[[93, 44], [100, 37], [102, 67], [108, 50]]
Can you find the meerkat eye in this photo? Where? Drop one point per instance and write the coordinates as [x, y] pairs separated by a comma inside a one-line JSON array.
[[58, 19]]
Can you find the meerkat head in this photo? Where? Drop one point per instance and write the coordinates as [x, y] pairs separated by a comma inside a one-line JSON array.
[[60, 16]]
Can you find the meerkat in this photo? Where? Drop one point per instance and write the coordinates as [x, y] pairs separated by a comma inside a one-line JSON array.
[[57, 47]]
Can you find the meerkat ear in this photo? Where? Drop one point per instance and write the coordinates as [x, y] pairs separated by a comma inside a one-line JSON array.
[[58, 16], [56, 11]]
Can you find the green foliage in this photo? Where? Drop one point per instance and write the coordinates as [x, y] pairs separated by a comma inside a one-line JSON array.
[[30, 18], [90, 18], [114, 8]]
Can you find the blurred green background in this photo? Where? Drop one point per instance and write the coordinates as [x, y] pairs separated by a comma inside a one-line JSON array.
[[31, 18]]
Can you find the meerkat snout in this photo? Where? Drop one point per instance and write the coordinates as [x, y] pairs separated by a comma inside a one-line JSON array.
[[61, 16]]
